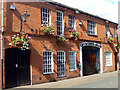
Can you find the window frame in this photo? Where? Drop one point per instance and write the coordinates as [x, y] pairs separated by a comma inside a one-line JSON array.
[[92, 24], [72, 62], [52, 64], [62, 27], [48, 17], [73, 22], [107, 34], [115, 34], [62, 63], [110, 54]]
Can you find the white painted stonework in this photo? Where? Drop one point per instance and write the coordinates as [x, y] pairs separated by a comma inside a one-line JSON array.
[[94, 44]]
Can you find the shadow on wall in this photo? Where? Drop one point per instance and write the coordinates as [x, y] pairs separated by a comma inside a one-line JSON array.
[[37, 63], [36, 57], [9, 17]]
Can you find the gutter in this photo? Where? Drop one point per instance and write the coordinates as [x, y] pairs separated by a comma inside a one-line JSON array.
[[80, 11], [2, 44]]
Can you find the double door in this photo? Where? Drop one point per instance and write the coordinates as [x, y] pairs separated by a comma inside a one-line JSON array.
[[17, 67]]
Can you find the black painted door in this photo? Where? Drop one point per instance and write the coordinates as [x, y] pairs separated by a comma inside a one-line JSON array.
[[116, 57], [17, 67]]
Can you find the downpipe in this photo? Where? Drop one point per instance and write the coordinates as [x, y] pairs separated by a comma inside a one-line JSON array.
[[2, 31]]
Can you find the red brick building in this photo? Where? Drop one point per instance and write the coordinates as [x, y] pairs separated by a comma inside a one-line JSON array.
[[50, 61]]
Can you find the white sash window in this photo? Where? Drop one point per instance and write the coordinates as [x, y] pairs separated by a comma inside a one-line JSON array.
[[72, 61], [108, 59], [47, 62]]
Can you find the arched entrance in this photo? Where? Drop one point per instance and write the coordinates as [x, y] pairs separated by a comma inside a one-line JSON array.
[[90, 58]]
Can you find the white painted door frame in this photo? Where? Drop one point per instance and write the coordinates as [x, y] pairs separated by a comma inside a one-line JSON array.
[[81, 58]]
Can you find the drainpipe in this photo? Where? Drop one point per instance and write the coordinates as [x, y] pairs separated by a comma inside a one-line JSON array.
[[119, 29], [2, 44]]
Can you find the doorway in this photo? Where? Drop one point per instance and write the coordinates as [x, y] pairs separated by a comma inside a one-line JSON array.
[[17, 67], [116, 57], [91, 60]]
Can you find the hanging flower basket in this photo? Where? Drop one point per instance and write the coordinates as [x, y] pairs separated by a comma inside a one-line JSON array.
[[117, 45], [61, 39], [74, 34], [20, 41], [47, 30], [110, 40], [67, 35]]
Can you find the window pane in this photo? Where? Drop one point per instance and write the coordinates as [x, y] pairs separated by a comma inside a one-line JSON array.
[[47, 62], [61, 64], [59, 23], [71, 22], [45, 16], [91, 27], [108, 59], [72, 60]]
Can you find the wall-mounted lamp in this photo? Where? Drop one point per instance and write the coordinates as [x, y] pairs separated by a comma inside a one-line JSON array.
[[107, 21], [80, 23], [12, 7], [24, 17], [76, 11]]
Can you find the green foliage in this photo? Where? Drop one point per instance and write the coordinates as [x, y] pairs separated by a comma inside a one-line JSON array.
[[61, 39], [117, 45], [75, 34], [47, 29], [110, 39], [20, 41]]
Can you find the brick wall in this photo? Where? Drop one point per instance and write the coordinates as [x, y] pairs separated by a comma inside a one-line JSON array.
[[41, 43]]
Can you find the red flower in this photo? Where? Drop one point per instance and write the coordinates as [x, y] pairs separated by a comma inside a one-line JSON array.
[[76, 39], [23, 36]]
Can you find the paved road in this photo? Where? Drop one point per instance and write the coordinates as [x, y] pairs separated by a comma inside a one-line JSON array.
[[106, 80]]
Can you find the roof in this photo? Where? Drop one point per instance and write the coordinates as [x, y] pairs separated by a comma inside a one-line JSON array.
[[75, 9]]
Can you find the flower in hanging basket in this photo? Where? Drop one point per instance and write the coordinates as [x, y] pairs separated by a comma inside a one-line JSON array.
[[71, 30], [61, 39], [20, 41], [117, 45], [110, 39], [47, 30], [75, 34]]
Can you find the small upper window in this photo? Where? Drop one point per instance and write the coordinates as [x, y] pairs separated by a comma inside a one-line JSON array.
[[91, 27], [107, 31], [115, 34], [45, 16], [71, 22]]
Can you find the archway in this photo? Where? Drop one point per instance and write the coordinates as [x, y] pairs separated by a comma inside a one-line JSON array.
[[95, 59]]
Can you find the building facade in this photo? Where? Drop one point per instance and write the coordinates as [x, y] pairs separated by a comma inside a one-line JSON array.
[[91, 53]]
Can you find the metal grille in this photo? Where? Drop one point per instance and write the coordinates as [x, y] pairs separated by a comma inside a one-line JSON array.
[[91, 27], [72, 61], [59, 23], [45, 16], [47, 62], [71, 22], [61, 67]]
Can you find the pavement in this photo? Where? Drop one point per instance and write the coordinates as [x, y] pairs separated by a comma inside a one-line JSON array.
[[105, 80]]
